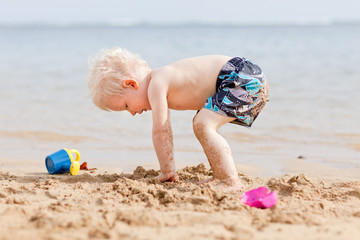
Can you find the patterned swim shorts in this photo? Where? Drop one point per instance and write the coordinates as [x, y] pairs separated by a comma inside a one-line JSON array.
[[241, 91]]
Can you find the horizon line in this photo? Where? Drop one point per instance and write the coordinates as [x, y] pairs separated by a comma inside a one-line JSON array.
[[182, 24]]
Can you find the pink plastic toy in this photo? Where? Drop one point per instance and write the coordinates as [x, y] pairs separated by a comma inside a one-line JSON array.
[[260, 197]]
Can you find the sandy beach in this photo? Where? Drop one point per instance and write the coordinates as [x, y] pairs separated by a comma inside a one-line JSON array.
[[305, 144], [108, 205]]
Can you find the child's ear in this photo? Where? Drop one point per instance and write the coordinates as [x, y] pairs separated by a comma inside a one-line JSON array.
[[130, 83]]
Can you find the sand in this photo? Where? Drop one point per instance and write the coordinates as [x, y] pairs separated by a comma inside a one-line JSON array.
[[104, 205]]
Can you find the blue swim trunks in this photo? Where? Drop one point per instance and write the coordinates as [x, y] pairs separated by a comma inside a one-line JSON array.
[[241, 91]]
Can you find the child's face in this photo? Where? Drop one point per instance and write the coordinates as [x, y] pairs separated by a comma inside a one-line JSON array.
[[132, 100]]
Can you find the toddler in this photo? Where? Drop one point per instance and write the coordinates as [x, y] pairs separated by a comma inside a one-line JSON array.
[[222, 90]]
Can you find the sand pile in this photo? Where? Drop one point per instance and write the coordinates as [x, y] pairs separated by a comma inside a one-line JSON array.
[[136, 206]]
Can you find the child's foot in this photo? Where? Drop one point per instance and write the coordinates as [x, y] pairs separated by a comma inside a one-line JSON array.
[[205, 181], [230, 185], [226, 185], [168, 177]]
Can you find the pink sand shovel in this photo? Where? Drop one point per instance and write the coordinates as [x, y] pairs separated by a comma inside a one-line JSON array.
[[260, 197]]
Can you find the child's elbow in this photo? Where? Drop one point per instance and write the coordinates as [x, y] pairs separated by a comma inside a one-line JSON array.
[[161, 131]]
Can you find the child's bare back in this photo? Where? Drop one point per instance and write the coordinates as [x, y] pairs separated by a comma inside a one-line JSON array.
[[222, 90], [190, 81]]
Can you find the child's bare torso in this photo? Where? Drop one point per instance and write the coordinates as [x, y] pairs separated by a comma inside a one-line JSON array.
[[190, 81]]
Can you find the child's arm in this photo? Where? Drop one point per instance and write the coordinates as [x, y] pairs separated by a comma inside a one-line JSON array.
[[162, 132]]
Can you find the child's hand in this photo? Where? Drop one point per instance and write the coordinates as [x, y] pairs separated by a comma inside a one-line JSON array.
[[168, 177]]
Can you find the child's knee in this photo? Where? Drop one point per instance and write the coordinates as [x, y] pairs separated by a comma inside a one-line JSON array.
[[200, 126]]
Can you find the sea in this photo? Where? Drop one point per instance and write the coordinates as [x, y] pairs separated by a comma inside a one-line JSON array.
[[313, 114]]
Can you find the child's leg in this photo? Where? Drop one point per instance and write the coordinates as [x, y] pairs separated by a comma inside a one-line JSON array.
[[206, 123]]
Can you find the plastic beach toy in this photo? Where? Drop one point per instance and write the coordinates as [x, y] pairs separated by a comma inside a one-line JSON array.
[[260, 197], [63, 161]]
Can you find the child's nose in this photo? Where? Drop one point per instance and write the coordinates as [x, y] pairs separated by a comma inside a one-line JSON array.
[[132, 112]]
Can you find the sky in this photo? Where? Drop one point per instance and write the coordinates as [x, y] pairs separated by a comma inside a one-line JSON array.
[[120, 12]]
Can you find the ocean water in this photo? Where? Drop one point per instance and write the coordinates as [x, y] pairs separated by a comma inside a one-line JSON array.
[[313, 111]]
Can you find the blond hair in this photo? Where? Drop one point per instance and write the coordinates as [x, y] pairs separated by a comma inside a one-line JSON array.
[[107, 69]]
